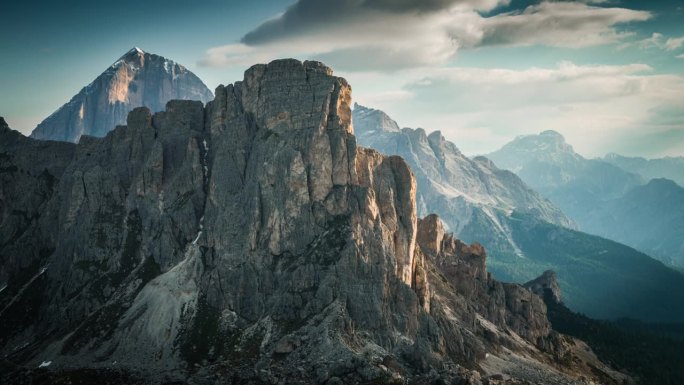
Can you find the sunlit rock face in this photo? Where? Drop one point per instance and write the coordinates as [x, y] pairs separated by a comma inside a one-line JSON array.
[[252, 241], [137, 79]]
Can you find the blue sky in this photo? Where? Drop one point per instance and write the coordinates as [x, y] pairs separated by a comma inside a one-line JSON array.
[[609, 75]]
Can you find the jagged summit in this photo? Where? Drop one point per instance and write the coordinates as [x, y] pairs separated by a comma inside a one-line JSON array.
[[552, 134], [369, 120], [546, 285], [547, 143], [473, 196], [135, 51], [133, 55], [137, 79], [252, 241]]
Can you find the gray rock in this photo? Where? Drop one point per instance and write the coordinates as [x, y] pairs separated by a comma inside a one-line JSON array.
[[137, 79], [546, 284], [472, 196], [252, 239]]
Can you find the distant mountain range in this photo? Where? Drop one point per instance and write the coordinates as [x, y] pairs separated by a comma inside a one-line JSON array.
[[601, 196], [648, 217], [137, 79], [524, 233], [478, 201], [197, 244], [669, 167], [468, 193]]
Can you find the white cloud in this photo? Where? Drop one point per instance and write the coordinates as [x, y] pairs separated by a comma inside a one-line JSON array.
[[393, 35], [560, 24], [680, 56], [396, 54], [657, 41], [674, 43], [598, 108]]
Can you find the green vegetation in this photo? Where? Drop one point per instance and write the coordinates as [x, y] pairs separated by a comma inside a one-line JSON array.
[[601, 278], [650, 358]]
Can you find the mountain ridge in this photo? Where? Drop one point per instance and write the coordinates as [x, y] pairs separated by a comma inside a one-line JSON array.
[[136, 79], [521, 243], [199, 243], [603, 198], [670, 167]]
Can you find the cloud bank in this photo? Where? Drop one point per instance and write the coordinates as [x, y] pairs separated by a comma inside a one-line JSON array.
[[359, 35], [401, 57], [597, 107]]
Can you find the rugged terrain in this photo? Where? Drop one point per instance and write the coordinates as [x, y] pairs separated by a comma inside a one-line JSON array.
[[523, 232], [137, 79], [472, 196], [251, 241], [600, 196], [669, 167]]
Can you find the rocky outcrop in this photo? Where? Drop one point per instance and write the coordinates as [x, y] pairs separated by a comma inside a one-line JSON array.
[[472, 196], [579, 186], [525, 234], [137, 79], [546, 286], [508, 306], [252, 240]]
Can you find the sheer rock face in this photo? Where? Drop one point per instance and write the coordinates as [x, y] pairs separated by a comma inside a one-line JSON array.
[[137, 79], [473, 197], [29, 173], [547, 282], [251, 239], [508, 306]]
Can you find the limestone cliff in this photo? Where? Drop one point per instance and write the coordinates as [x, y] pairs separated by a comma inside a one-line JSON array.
[[137, 79], [251, 241]]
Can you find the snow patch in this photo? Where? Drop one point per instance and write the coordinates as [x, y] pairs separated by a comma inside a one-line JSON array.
[[44, 364], [23, 288], [499, 226], [205, 167], [199, 234]]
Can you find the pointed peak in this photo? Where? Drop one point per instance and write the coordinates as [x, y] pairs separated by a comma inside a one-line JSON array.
[[136, 50], [436, 135], [132, 53], [552, 134], [546, 285], [368, 120]]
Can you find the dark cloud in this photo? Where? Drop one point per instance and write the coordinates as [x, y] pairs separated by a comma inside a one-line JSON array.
[[310, 16], [418, 6], [305, 16]]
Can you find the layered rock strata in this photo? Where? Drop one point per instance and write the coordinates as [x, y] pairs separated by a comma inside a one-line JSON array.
[[250, 241]]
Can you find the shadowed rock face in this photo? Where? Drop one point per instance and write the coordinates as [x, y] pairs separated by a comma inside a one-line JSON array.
[[251, 240], [546, 286], [137, 79]]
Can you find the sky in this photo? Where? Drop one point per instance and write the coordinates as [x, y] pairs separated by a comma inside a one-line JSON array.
[[607, 74]]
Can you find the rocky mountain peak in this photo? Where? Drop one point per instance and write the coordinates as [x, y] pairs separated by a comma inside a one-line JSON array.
[[547, 143], [369, 121], [137, 79], [135, 58], [552, 135], [546, 285], [431, 233], [250, 239]]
